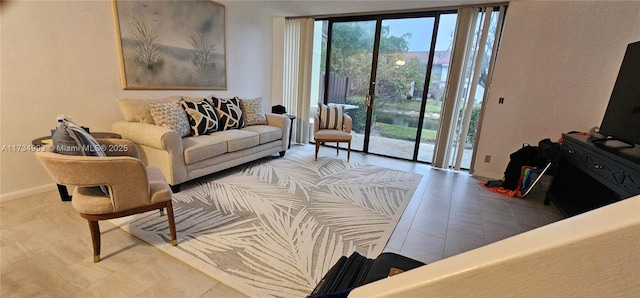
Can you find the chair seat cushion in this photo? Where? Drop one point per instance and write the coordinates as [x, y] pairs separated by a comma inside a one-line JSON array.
[[332, 135]]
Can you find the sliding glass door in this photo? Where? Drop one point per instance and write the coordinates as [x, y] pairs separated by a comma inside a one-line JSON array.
[[476, 43], [398, 93], [351, 49], [382, 69], [391, 74]]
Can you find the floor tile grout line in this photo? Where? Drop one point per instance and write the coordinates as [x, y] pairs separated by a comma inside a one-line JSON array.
[[446, 231]]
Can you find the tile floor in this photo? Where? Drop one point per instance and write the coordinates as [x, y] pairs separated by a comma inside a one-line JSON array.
[[45, 247]]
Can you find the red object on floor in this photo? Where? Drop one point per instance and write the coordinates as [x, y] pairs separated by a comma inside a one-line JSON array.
[[501, 190]]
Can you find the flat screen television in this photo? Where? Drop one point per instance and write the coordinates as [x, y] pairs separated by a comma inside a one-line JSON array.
[[621, 120]]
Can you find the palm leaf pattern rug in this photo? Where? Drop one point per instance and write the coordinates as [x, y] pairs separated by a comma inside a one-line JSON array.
[[274, 227]]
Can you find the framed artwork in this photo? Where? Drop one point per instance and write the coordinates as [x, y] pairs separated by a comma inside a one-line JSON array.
[[171, 44]]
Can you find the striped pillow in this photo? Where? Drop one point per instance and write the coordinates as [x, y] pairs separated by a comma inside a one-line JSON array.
[[86, 144], [331, 116]]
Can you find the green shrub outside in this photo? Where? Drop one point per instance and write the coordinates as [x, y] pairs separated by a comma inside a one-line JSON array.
[[359, 115], [402, 132]]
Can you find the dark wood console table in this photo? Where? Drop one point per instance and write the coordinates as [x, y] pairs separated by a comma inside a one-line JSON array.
[[589, 175]]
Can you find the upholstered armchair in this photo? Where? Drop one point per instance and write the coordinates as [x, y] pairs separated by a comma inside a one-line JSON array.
[[337, 130], [132, 187]]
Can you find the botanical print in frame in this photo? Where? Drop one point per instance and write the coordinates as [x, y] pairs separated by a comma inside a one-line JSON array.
[[171, 44]]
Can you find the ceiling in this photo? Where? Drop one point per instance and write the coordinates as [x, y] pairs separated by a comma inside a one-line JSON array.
[[342, 7]]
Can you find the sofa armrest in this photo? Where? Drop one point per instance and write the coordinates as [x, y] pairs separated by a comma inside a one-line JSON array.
[[149, 135], [278, 120], [284, 123], [159, 147], [119, 147]]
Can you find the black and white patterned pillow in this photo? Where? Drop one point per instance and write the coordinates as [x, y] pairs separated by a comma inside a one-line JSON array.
[[252, 111], [228, 111], [202, 117]]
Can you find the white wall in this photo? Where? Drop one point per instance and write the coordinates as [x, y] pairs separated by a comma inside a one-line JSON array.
[[557, 63], [594, 254], [60, 57]]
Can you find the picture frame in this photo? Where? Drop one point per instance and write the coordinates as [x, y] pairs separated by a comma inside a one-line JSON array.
[[171, 44]]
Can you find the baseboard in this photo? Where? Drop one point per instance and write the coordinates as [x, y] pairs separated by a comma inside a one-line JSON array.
[[27, 192]]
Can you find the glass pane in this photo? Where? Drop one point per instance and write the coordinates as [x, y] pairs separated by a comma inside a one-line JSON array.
[[437, 85], [477, 97], [318, 69], [400, 79], [350, 72]]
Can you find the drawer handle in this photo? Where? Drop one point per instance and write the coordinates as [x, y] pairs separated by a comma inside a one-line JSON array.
[[599, 167]]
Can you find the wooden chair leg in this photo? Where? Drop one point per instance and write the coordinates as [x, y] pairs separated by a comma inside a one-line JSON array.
[[95, 239], [317, 148], [172, 224], [348, 150], [337, 148]]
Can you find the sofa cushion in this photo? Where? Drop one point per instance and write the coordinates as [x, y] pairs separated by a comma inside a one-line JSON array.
[[202, 117], [203, 147], [239, 139], [267, 133], [229, 112], [252, 111], [136, 110], [171, 116]]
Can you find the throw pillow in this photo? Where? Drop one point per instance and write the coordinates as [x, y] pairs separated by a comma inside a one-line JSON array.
[[331, 116], [202, 117], [252, 111], [63, 143], [85, 143], [229, 112], [171, 116]]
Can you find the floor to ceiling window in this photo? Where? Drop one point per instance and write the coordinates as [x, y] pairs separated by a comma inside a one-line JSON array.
[[475, 48], [391, 74]]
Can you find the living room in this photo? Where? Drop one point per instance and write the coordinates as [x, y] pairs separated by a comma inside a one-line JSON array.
[[69, 65], [557, 65]]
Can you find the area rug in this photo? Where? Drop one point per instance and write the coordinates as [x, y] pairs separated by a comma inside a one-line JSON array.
[[274, 227]]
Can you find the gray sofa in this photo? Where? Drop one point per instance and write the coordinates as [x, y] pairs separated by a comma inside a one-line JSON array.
[[181, 159]]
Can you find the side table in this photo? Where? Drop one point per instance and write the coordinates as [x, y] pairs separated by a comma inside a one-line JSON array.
[[292, 118], [46, 140]]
